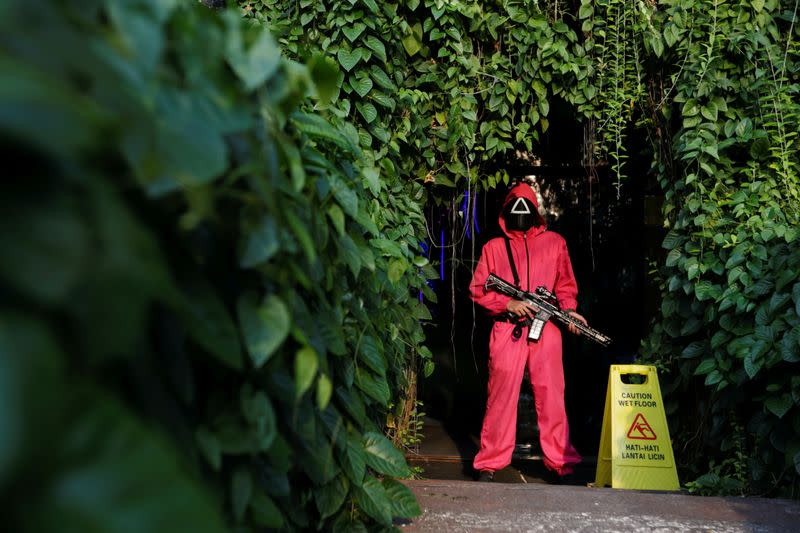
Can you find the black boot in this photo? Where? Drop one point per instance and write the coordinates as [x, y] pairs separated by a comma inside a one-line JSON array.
[[486, 475]]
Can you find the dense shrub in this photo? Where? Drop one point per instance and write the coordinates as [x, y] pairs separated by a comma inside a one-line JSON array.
[[209, 293], [729, 331]]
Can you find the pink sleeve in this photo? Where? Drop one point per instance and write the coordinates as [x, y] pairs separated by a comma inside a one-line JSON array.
[[566, 288], [492, 301]]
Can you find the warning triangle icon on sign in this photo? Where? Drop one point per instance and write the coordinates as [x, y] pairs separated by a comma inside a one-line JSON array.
[[640, 429]]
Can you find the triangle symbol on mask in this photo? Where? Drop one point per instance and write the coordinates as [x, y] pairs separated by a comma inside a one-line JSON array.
[[520, 207]]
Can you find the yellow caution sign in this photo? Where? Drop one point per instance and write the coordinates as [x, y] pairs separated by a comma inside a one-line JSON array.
[[635, 449]]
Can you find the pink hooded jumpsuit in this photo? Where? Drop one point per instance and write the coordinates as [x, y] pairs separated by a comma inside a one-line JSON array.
[[541, 258]]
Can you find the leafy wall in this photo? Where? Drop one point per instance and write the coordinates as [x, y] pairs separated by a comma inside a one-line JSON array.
[[208, 306], [730, 326], [440, 88], [445, 90]]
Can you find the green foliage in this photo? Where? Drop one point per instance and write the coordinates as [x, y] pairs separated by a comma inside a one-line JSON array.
[[616, 35], [439, 90], [191, 245], [729, 332]]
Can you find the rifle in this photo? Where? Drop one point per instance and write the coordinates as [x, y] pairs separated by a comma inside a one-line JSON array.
[[545, 305]]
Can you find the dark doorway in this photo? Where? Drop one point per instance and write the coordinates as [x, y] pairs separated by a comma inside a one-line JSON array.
[[610, 242]]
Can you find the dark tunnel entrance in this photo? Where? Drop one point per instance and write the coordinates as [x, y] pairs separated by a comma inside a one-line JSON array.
[[612, 235]]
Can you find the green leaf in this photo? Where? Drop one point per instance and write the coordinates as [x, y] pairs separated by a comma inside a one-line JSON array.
[[382, 456], [779, 405], [353, 459], [350, 253], [330, 497], [734, 274], [337, 218], [301, 232], [375, 386], [316, 126], [371, 353], [796, 297], [306, 364], [790, 351], [709, 111], [376, 45], [705, 366], [259, 413], [361, 86], [402, 500], [367, 111], [412, 40], [346, 196], [752, 364], [325, 74], [719, 338], [387, 102], [421, 311], [265, 512], [673, 257], [324, 391], [544, 108], [713, 378], [373, 500], [255, 65], [372, 177], [705, 290], [264, 327], [354, 32], [241, 492], [397, 267], [658, 45], [209, 446], [382, 79], [672, 240], [261, 244], [696, 349], [348, 59], [43, 234], [373, 7], [209, 324], [388, 247]]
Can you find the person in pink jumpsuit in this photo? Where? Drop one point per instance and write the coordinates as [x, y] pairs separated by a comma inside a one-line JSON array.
[[541, 258]]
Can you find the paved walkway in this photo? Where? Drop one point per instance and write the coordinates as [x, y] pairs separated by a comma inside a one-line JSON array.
[[468, 506], [520, 501]]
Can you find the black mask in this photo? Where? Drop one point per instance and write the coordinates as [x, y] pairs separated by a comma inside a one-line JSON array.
[[520, 215]]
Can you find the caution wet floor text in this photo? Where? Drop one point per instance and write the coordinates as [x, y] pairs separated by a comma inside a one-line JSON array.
[[635, 449]]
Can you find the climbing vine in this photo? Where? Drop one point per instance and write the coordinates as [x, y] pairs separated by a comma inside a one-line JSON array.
[[730, 328]]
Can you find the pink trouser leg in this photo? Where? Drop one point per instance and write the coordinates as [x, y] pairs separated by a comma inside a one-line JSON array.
[[506, 366], [547, 378], [507, 359]]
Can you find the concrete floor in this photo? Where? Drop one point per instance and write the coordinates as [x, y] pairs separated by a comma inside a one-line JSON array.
[[520, 500], [468, 506]]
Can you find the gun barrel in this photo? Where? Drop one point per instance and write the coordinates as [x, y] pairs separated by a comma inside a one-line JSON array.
[[592, 333]]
